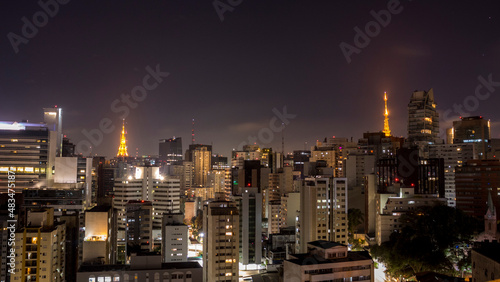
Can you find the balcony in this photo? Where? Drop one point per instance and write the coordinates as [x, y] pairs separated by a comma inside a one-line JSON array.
[[100, 238]]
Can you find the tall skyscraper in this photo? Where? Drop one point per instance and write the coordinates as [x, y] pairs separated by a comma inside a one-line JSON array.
[[221, 227], [170, 150], [250, 210], [475, 130], [423, 119], [323, 211], [201, 156], [202, 165], [146, 183]]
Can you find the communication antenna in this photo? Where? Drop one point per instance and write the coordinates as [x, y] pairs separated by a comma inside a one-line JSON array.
[[192, 132]]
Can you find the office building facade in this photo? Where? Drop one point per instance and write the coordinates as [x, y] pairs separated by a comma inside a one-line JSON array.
[[170, 150], [175, 236], [474, 130], [474, 181], [423, 118], [146, 183]]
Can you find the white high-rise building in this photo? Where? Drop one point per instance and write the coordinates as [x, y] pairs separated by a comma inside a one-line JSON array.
[[323, 211], [146, 183], [175, 236]]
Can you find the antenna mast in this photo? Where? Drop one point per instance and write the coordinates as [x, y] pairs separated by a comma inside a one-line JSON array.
[[192, 133]]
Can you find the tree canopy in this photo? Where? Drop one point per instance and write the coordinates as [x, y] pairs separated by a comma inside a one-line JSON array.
[[433, 238], [354, 217]]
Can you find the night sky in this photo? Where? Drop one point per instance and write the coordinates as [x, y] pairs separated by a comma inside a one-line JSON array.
[[230, 74]]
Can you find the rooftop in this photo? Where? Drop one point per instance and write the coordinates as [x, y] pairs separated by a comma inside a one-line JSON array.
[[325, 244], [490, 250], [429, 276], [102, 208], [307, 259], [126, 267]]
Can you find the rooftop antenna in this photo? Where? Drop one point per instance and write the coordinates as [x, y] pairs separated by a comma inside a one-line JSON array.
[[282, 161], [283, 140], [192, 133]]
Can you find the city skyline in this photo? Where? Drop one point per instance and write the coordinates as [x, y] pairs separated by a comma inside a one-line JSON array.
[[229, 75]]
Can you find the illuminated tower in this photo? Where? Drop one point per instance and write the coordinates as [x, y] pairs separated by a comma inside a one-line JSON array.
[[387, 131], [122, 150]]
